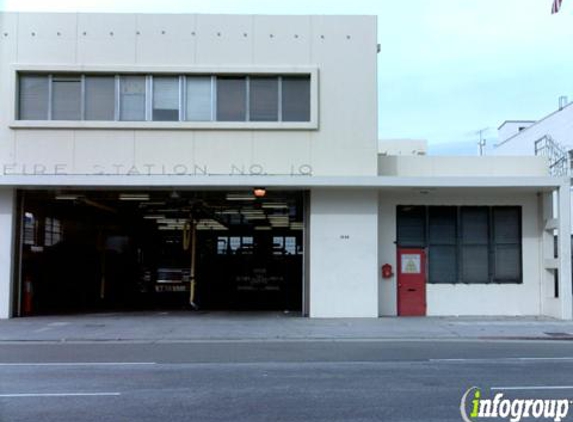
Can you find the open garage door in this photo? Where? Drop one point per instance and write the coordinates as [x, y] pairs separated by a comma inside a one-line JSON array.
[[86, 251]]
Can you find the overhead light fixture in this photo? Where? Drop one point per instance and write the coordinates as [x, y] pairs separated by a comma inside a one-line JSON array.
[[134, 197], [252, 212], [228, 212], [154, 217], [239, 197], [171, 221], [263, 228], [259, 192], [274, 205], [255, 217], [172, 228], [279, 220], [67, 197], [210, 225]]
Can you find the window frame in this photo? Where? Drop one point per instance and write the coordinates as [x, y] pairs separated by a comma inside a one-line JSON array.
[[182, 72]]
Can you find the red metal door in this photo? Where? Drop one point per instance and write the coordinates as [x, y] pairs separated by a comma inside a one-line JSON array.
[[411, 282]]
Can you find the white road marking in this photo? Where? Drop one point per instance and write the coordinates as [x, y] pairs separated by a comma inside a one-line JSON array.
[[494, 360], [77, 364], [59, 395], [555, 358], [538, 387]]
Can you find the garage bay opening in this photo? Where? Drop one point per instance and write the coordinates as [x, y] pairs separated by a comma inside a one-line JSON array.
[[100, 250]]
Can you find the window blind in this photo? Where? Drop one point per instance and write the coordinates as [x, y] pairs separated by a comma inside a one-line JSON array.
[[507, 244], [100, 98], [231, 99], [165, 98], [199, 98], [475, 244], [442, 251], [296, 99], [33, 91], [66, 98], [263, 99], [132, 98]]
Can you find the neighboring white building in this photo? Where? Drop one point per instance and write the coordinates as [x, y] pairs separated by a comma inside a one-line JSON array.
[[132, 147], [519, 137]]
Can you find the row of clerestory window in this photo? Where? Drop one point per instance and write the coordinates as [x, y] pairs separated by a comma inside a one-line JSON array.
[[193, 98]]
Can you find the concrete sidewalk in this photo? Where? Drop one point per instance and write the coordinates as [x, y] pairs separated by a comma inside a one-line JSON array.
[[205, 326]]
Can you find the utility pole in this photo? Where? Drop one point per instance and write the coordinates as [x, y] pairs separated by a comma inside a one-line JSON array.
[[482, 141]]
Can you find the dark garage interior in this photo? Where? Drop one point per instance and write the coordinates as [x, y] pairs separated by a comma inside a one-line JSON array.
[[101, 250]]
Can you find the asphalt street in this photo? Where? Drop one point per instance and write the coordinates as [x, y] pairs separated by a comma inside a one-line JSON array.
[[254, 381]]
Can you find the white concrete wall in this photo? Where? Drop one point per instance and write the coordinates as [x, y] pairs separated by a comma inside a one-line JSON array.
[[7, 209], [341, 48], [343, 253], [558, 125], [462, 166], [465, 299]]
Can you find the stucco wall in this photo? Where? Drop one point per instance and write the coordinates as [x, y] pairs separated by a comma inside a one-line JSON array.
[[417, 166], [343, 253]]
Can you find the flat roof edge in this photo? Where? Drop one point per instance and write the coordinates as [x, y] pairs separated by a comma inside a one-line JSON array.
[[217, 182]]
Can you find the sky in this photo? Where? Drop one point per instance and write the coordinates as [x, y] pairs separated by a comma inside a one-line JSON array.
[[447, 68]]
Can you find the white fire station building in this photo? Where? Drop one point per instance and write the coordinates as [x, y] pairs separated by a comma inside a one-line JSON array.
[[231, 162]]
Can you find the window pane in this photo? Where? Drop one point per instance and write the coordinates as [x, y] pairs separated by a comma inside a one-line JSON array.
[[442, 264], [411, 226], [296, 99], [290, 245], [66, 98], [33, 97], [132, 98], [475, 226], [475, 264], [506, 225], [234, 243], [264, 99], [507, 244], [100, 98], [443, 225], [30, 225], [231, 99], [507, 263], [166, 98], [199, 98], [222, 245]]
